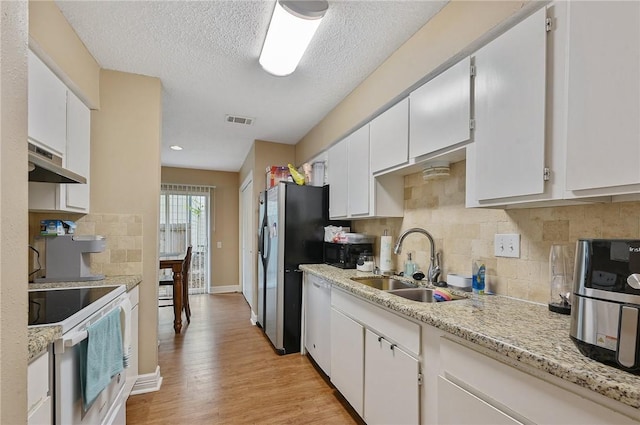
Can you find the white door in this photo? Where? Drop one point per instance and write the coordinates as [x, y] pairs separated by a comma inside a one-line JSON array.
[[248, 239], [358, 175], [338, 180], [391, 392]]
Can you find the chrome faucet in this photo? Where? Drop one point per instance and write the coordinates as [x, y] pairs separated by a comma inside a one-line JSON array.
[[434, 264]]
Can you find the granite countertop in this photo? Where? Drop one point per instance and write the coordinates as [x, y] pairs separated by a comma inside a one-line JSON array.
[[40, 337], [525, 333]]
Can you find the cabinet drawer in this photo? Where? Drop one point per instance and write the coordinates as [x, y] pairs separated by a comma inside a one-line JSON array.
[[42, 415], [475, 411], [38, 380], [527, 397], [395, 328]]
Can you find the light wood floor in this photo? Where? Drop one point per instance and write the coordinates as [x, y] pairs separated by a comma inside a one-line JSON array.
[[223, 370]]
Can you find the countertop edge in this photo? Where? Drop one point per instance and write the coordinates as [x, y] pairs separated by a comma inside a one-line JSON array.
[[597, 377]]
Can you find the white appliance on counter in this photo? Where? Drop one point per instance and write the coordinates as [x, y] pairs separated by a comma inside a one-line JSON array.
[[74, 309]]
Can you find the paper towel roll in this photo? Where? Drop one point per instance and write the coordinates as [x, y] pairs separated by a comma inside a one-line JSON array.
[[386, 264]]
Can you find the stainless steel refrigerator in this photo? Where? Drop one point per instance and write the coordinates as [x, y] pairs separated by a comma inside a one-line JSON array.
[[292, 221]]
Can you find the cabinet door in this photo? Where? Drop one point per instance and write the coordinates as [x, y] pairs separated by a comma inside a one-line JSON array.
[[510, 111], [338, 180], [75, 197], [451, 397], [358, 175], [347, 359], [317, 321], [391, 392], [440, 111], [47, 99], [603, 129], [390, 137]]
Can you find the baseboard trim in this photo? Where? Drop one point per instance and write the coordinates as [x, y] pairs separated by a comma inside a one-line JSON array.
[[254, 318], [147, 383], [224, 289]]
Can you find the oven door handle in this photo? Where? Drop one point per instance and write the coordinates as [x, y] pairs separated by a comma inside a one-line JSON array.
[[70, 341]]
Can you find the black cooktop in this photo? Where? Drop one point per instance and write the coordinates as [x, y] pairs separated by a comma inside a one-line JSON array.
[[50, 306]]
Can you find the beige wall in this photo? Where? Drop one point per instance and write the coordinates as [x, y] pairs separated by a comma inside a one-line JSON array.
[[224, 218], [125, 179], [51, 35], [464, 234], [458, 25], [13, 211]]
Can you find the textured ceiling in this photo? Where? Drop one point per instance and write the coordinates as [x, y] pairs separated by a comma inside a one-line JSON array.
[[206, 55]]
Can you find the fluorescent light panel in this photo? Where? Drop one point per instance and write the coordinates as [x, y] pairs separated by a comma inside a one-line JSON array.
[[290, 32]]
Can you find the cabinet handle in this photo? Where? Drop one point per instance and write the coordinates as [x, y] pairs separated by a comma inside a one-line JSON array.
[[379, 338], [392, 346]]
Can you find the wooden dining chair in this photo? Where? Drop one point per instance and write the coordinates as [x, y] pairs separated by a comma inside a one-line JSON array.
[[186, 267]]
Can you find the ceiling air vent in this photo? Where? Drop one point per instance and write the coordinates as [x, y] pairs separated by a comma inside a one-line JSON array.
[[239, 120]]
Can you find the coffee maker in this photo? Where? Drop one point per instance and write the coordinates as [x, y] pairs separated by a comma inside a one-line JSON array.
[[67, 258]]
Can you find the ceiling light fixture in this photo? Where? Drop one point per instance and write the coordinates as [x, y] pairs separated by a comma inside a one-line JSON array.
[[176, 147], [291, 29]]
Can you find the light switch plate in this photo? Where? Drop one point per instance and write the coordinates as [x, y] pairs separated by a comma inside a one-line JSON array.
[[507, 245]]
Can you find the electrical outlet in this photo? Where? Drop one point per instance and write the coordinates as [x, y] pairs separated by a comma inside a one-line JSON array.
[[219, 244], [506, 245]]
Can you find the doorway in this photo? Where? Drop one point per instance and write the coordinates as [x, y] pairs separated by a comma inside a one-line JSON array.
[[185, 220], [247, 243]]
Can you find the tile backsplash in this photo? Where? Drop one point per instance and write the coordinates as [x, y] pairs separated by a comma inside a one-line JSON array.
[[463, 234], [123, 233]]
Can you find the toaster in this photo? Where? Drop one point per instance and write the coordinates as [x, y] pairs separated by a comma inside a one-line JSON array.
[[605, 311]]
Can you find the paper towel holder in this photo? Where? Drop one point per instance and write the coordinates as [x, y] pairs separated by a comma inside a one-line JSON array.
[[386, 261]]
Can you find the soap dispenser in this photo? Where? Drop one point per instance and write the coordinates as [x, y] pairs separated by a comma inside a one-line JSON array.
[[409, 266]]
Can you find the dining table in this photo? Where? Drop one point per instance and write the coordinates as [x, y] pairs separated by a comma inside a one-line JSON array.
[[175, 264]]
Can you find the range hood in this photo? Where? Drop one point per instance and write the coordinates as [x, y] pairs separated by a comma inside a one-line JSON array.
[[47, 167]]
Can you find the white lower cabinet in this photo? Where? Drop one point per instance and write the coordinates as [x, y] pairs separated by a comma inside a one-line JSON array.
[[495, 393], [317, 316], [347, 359], [39, 395], [391, 391], [375, 361]]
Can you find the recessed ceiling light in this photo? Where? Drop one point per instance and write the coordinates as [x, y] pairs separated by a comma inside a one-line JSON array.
[[176, 147]]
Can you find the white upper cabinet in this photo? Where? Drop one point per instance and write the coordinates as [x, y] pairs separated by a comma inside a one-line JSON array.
[[75, 197], [603, 124], [338, 180], [58, 121], [358, 174], [390, 137], [440, 111], [510, 87], [47, 105]]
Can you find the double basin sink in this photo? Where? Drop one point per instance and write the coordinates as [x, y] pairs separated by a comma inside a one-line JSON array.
[[400, 288]]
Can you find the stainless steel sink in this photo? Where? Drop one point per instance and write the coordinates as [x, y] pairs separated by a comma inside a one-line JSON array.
[[424, 295], [385, 283]]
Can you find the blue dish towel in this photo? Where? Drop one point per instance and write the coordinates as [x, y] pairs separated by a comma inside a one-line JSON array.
[[100, 356]]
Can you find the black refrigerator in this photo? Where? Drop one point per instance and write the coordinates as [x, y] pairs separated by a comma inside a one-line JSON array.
[[292, 221]]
